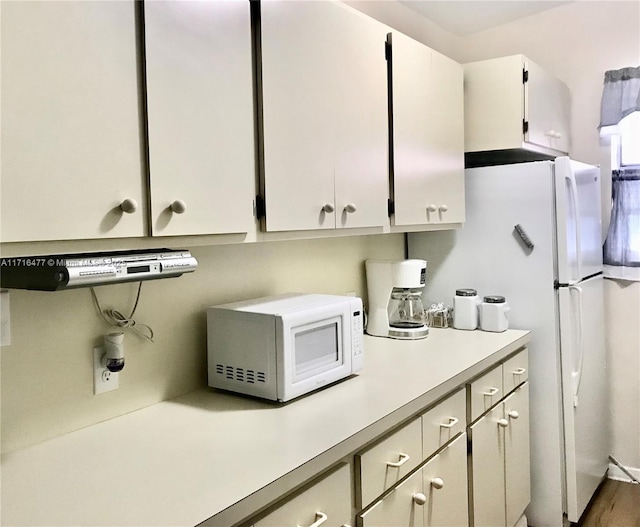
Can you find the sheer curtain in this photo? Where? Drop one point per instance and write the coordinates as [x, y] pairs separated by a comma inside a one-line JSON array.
[[622, 246], [620, 98]]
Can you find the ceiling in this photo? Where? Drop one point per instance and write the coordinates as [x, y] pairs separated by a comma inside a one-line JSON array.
[[463, 17]]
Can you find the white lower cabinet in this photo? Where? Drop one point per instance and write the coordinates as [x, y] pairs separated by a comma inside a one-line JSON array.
[[435, 495], [327, 502], [462, 462], [500, 462]]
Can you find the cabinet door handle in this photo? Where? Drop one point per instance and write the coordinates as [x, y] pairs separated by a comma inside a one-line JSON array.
[[328, 208], [503, 423], [520, 371], [453, 421], [129, 206], [444, 207], [432, 208], [491, 392], [178, 206], [321, 517], [513, 414], [403, 459], [437, 483], [419, 498], [350, 208]]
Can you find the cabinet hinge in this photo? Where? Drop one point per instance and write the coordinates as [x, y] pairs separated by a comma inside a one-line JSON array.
[[260, 207], [525, 126], [391, 207], [525, 76]]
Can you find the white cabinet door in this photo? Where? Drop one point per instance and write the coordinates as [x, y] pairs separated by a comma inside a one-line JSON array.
[[428, 135], [71, 133], [487, 470], [327, 502], [445, 487], [400, 508], [200, 112], [547, 105], [517, 468], [324, 117]]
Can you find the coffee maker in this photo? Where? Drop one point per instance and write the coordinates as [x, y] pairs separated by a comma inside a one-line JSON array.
[[395, 298]]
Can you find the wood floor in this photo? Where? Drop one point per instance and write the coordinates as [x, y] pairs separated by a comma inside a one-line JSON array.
[[617, 504]]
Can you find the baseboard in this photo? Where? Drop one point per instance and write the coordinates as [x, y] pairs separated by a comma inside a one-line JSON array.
[[616, 473]]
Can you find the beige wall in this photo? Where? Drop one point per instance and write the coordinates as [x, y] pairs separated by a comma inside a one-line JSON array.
[[47, 379]]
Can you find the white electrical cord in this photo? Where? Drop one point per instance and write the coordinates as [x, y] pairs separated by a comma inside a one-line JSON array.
[[115, 318]]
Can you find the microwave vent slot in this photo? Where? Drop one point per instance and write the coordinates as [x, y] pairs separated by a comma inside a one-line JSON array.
[[240, 374]]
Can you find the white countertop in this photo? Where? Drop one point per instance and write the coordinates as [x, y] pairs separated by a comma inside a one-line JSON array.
[[185, 460]]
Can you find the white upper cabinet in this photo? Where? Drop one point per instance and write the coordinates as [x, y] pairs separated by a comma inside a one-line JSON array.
[[428, 135], [324, 111], [71, 132], [200, 116], [511, 103]]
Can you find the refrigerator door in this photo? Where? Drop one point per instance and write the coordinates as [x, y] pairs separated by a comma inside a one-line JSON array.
[[585, 406], [579, 222]]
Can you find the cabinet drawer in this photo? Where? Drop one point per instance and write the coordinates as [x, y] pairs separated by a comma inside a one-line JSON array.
[[485, 391], [330, 496], [443, 422], [515, 371], [383, 465]]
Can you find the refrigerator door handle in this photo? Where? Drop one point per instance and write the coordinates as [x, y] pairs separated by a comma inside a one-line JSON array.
[[576, 374], [571, 178]]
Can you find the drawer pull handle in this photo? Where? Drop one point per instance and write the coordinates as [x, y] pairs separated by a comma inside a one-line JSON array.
[[437, 483], [453, 421], [321, 517], [491, 392], [503, 423], [513, 414], [403, 459], [419, 498], [520, 371]]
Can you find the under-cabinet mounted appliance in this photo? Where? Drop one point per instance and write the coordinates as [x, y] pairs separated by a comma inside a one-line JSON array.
[[280, 347], [68, 271]]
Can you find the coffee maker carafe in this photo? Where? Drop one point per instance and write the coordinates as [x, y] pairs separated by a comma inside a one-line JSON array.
[[395, 298]]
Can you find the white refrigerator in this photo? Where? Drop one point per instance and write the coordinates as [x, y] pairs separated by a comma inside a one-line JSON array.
[[533, 235]]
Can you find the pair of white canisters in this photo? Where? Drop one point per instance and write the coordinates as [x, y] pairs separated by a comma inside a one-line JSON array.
[[469, 312]]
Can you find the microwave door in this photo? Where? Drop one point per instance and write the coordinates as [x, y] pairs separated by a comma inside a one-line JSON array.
[[316, 348]]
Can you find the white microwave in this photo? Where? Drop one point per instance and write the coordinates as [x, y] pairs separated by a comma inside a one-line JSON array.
[[281, 347]]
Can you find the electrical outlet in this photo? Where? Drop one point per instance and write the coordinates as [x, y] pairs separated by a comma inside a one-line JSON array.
[[103, 379]]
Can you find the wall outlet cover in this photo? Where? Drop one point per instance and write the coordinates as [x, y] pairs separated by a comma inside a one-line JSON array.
[[103, 379]]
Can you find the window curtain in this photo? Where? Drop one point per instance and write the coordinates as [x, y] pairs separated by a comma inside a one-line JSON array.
[[620, 97], [622, 246]]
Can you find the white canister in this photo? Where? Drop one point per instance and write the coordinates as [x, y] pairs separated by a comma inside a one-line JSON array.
[[465, 309], [493, 314]]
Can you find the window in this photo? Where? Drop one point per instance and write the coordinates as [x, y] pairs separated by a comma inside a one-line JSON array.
[[620, 122], [629, 148]]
